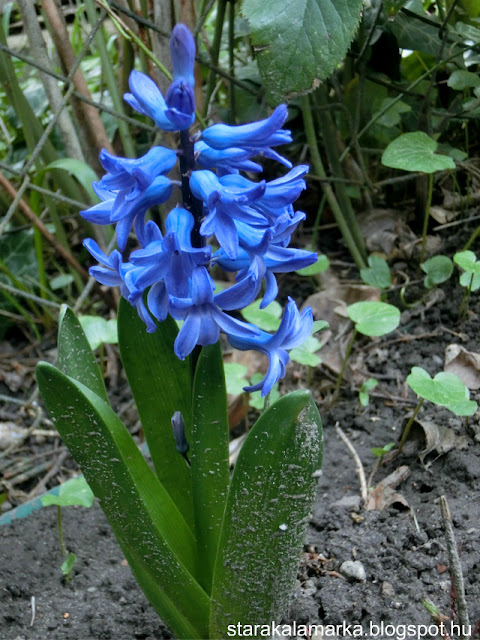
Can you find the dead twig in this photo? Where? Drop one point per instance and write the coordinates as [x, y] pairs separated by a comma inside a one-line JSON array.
[[455, 568], [358, 463]]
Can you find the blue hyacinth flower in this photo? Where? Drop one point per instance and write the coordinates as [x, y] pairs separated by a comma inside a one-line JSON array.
[[115, 208], [182, 51], [224, 205], [113, 272], [294, 329], [203, 319], [146, 98], [228, 160], [256, 137], [180, 101]]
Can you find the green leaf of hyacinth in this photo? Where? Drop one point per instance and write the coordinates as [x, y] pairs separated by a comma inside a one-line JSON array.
[[374, 318], [415, 151], [152, 533], [75, 356], [209, 457], [161, 384], [445, 389], [268, 507], [300, 42]]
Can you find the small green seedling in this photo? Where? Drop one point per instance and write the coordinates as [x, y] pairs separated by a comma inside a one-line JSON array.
[[74, 492], [416, 151], [377, 274], [444, 390], [367, 386], [371, 318], [381, 452], [437, 269], [469, 279]]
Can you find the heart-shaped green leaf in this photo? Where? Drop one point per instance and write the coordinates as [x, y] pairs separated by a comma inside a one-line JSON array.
[[306, 352], [377, 274], [267, 319], [72, 492], [99, 331], [438, 270], [268, 507], [161, 384], [235, 377], [415, 151], [75, 356], [209, 457], [467, 261], [461, 79], [152, 533], [445, 389], [319, 266], [374, 318]]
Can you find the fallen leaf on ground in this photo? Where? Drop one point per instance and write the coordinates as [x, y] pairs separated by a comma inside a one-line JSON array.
[[384, 494], [464, 364], [426, 437]]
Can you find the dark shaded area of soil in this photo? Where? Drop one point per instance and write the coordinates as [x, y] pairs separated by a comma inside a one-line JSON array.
[[401, 548]]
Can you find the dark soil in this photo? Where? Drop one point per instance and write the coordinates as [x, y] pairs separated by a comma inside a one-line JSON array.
[[401, 548]]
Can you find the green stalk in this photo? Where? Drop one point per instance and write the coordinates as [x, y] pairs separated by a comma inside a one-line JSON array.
[[406, 431], [427, 216], [329, 135], [327, 189], [215, 52], [60, 531], [231, 62], [111, 82], [344, 366]]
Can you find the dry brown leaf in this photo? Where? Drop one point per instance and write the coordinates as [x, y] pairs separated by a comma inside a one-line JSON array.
[[10, 433], [384, 494], [426, 437], [464, 364], [442, 215]]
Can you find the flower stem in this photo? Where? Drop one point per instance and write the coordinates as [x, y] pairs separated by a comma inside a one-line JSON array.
[[406, 431], [427, 216], [192, 204], [344, 366], [60, 530]]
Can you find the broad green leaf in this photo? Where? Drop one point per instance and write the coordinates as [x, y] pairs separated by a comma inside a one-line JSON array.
[[461, 79], [79, 170], [75, 356], [377, 274], [300, 42], [161, 384], [415, 151], [306, 352], [267, 319], [152, 533], [438, 270], [72, 492], [445, 389], [99, 331], [269, 502], [209, 457], [319, 266], [235, 377], [416, 34], [374, 318], [68, 564]]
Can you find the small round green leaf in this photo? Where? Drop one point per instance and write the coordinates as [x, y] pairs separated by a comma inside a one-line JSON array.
[[438, 270], [320, 265], [415, 151], [72, 492], [267, 319], [374, 318], [99, 331], [68, 564], [445, 389], [377, 274], [235, 377], [305, 353], [461, 79]]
